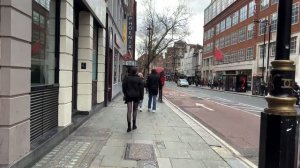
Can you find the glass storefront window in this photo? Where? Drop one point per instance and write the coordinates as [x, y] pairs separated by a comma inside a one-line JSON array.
[[43, 63]]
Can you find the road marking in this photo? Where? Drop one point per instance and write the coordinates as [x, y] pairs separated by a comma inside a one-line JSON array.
[[238, 155], [212, 99], [202, 105], [235, 108]]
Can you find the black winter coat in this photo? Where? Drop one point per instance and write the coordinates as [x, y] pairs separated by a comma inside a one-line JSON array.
[[153, 84], [133, 88]]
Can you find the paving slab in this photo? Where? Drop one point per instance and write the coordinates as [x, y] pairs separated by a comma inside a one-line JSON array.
[[175, 141], [190, 163]]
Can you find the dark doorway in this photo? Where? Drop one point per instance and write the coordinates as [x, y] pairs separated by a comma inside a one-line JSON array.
[[75, 58], [110, 55], [95, 64]]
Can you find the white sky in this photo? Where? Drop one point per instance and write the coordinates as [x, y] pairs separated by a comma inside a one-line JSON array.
[[197, 21]]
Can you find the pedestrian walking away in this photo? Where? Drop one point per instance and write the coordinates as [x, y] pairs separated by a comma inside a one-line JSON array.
[[296, 92], [141, 101], [152, 87], [133, 90], [162, 80]]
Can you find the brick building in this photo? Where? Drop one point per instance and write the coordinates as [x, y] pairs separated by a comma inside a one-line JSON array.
[[238, 28]]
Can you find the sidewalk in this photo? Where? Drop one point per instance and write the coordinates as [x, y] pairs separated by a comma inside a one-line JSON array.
[[165, 139]]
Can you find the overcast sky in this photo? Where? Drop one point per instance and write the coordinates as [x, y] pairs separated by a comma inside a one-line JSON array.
[[197, 21]]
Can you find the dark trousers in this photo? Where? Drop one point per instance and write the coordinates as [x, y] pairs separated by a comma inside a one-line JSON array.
[[160, 94]]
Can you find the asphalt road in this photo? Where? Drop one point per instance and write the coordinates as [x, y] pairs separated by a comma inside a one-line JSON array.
[[234, 118]]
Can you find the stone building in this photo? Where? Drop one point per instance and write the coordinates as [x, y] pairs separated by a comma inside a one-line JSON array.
[[55, 69]]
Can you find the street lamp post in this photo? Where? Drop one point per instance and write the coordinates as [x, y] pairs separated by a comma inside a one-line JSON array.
[[279, 127]]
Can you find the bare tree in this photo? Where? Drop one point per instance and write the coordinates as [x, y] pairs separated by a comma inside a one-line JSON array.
[[160, 29]]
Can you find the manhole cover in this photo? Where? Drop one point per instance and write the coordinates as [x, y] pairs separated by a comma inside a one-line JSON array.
[[139, 152]]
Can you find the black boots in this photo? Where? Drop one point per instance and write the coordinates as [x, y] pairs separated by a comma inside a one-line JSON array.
[[129, 127], [134, 125]]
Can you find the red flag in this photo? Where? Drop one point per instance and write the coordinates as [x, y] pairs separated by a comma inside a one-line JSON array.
[[218, 54]]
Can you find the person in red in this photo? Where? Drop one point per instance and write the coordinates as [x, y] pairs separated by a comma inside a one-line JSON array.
[[162, 80]]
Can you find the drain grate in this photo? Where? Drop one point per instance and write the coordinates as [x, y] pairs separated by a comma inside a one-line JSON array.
[[139, 152]]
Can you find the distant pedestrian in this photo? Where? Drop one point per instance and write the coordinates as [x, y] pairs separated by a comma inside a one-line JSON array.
[[133, 89], [296, 92], [141, 101], [152, 86], [162, 80]]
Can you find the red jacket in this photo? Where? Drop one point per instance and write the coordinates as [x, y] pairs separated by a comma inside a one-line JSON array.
[[162, 80]]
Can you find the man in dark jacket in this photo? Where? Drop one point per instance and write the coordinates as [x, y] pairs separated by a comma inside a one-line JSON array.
[[152, 86], [133, 89]]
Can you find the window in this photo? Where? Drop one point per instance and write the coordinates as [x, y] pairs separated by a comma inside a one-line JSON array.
[[293, 45], [295, 13], [243, 13], [242, 34], [227, 40], [212, 32], [228, 22], [262, 26], [95, 55], [261, 51], [264, 4], [222, 26], [274, 1], [235, 18], [274, 17], [249, 55], [221, 45], [251, 8], [43, 57], [234, 37], [272, 49], [250, 31], [217, 43], [218, 28], [241, 56]]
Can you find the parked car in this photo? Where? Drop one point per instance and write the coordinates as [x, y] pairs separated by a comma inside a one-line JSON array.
[[182, 82]]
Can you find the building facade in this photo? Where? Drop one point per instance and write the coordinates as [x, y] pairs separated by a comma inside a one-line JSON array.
[[239, 28], [189, 62], [54, 67]]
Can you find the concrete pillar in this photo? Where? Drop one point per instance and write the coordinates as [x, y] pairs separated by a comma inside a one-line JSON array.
[[15, 62], [65, 63], [101, 65], [85, 57]]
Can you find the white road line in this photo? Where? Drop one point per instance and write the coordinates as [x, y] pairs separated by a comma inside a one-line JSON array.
[[211, 100], [236, 108], [202, 105]]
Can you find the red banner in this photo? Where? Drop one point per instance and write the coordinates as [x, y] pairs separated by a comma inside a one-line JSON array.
[[218, 54]]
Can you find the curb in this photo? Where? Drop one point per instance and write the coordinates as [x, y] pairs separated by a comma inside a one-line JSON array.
[[230, 149]]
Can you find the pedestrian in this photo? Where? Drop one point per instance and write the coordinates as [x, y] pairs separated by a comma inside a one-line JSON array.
[[141, 101], [133, 90], [162, 80], [296, 92], [152, 86]]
